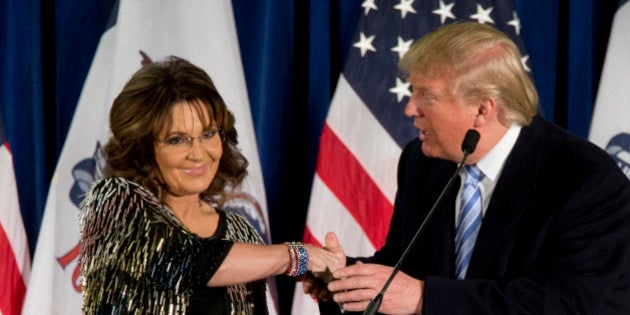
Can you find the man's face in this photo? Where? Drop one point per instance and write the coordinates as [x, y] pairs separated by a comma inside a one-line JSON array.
[[442, 117]]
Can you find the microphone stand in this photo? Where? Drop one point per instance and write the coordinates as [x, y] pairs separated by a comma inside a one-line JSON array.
[[375, 303]]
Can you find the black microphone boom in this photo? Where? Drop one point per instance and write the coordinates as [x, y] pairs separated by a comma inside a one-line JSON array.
[[468, 147]]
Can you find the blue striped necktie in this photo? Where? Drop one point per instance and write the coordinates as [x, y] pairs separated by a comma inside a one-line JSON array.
[[469, 220]]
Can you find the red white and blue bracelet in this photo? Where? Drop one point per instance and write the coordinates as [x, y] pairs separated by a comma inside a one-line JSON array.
[[298, 265]]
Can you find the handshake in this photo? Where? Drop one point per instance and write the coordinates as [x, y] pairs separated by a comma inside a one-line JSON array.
[[354, 286]]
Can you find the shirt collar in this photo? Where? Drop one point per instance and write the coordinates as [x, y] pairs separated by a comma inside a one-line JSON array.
[[492, 163]]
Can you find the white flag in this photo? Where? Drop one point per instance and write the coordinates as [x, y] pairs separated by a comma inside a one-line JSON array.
[[202, 32], [15, 258], [610, 127]]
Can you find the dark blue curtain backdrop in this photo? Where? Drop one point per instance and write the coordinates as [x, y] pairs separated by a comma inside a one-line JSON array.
[[293, 52]]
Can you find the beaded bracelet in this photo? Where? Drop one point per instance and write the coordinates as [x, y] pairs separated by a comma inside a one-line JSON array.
[[298, 265]]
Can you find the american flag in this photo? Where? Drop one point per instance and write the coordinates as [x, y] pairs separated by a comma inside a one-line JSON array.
[[355, 181], [15, 259]]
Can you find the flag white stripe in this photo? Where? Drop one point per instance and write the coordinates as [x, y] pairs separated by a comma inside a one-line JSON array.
[[303, 304], [326, 214], [356, 126]]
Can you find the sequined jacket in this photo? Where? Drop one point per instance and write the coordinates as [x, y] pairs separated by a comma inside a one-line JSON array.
[[137, 257]]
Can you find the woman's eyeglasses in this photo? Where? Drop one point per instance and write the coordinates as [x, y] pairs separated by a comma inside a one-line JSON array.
[[182, 144]]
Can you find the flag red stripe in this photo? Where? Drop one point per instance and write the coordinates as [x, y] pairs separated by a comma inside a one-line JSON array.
[[11, 283], [339, 169], [309, 238]]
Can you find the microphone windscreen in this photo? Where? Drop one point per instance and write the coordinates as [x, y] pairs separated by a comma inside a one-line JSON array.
[[470, 141]]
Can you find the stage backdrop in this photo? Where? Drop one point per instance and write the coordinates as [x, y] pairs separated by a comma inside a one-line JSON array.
[[292, 54]]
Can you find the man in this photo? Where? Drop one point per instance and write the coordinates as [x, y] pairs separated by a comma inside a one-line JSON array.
[[543, 226]]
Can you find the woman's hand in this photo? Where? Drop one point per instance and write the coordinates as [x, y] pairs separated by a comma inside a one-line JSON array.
[[314, 282], [316, 286], [327, 259]]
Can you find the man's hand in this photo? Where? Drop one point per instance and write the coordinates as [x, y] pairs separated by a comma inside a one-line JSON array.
[[360, 283]]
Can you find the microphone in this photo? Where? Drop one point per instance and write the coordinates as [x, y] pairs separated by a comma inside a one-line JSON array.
[[468, 147], [470, 142]]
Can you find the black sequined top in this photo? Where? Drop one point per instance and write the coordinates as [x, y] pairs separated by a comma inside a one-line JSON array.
[[137, 257]]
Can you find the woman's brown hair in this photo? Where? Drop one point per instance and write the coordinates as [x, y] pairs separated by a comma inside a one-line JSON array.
[[142, 111]]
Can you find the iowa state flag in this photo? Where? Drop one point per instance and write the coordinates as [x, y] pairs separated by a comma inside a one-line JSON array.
[[610, 127], [365, 130], [202, 32], [15, 258]]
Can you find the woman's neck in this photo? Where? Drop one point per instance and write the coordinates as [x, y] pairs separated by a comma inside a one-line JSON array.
[[198, 216]]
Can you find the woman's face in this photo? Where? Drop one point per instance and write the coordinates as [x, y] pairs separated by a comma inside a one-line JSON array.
[[188, 154]]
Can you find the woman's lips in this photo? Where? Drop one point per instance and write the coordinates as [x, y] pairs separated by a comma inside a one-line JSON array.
[[196, 170]]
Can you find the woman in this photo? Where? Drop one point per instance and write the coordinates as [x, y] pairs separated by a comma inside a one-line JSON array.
[[154, 238]]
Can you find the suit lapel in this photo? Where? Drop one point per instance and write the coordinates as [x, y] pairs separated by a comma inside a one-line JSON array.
[[512, 196]]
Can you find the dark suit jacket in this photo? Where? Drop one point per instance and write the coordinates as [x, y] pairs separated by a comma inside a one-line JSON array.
[[555, 238]]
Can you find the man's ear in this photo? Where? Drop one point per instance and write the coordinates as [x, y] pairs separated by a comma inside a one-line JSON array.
[[486, 112]]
